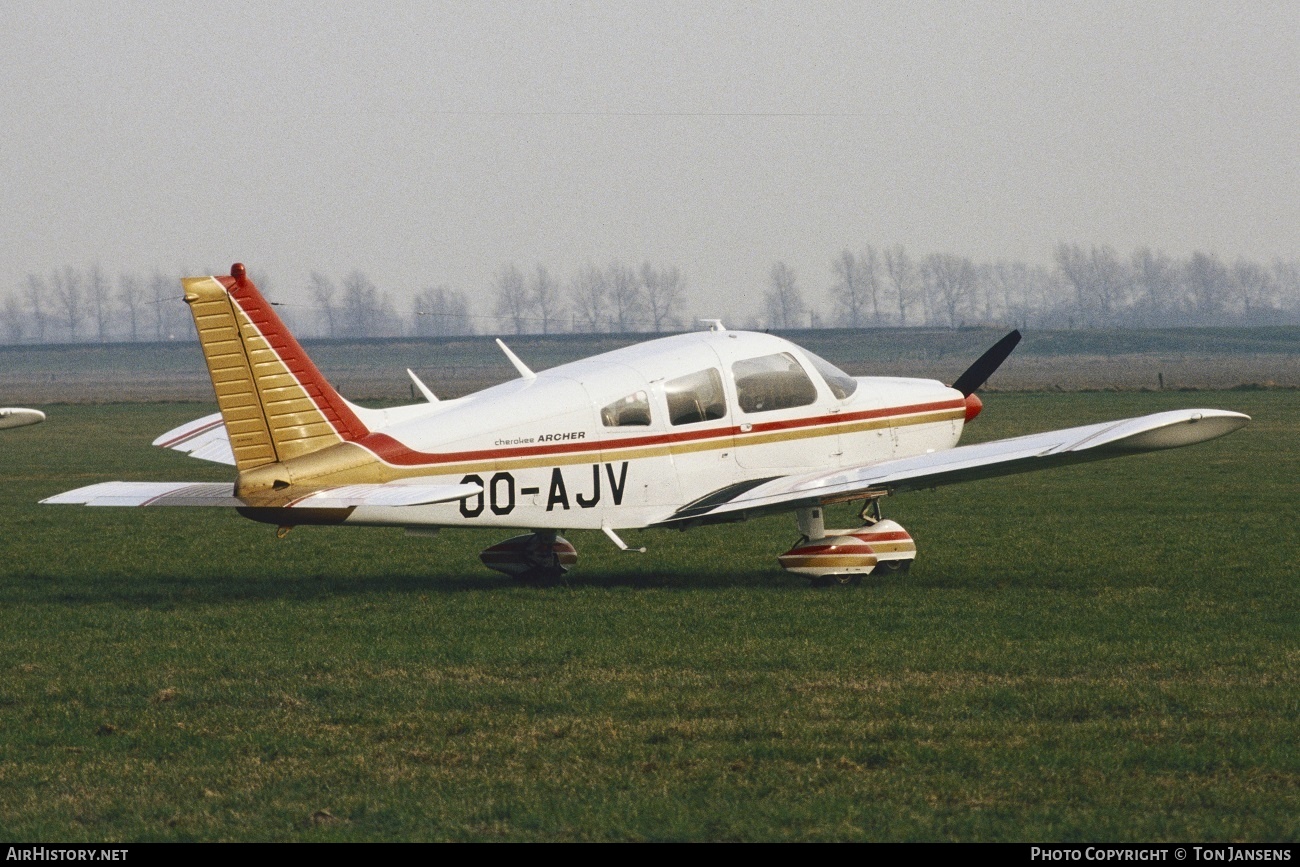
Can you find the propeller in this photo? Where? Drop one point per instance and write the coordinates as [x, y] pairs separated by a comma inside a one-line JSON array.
[[979, 372]]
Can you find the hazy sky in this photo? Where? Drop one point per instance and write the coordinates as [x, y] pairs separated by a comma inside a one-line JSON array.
[[430, 143]]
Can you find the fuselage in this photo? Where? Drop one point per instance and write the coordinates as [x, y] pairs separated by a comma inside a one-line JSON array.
[[626, 438]]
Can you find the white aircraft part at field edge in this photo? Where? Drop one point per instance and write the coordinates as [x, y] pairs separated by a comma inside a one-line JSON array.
[[18, 417]]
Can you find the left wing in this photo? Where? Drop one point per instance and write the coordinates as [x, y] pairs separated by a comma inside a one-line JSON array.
[[222, 494], [1162, 430]]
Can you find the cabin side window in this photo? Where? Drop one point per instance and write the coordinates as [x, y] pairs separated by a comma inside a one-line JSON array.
[[772, 382], [695, 397], [630, 411]]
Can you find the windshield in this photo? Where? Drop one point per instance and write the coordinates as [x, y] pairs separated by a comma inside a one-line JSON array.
[[840, 383]]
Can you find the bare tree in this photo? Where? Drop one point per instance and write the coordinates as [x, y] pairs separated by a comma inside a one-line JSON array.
[[1014, 284], [590, 294], [128, 296], [784, 301], [160, 292], [1206, 283], [101, 299], [1102, 283], [36, 296], [68, 292], [1286, 275], [1154, 283], [663, 292], [323, 292], [898, 265], [1254, 288], [950, 280], [15, 326], [362, 307], [849, 291], [547, 299], [513, 302], [625, 297], [442, 312]]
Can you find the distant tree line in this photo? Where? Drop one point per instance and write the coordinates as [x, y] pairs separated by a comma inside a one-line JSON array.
[[1083, 287], [1091, 287]]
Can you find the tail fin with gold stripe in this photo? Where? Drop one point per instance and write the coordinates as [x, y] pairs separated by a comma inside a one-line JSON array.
[[275, 403]]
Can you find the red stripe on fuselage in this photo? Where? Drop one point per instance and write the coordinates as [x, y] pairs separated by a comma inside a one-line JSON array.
[[322, 394], [394, 452]]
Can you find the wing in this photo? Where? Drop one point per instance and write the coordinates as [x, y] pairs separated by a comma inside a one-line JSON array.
[[204, 438], [222, 494], [1163, 430]]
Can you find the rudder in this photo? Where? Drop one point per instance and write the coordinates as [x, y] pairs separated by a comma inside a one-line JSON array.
[[275, 403]]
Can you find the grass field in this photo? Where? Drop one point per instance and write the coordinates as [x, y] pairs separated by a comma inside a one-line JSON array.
[[1106, 652]]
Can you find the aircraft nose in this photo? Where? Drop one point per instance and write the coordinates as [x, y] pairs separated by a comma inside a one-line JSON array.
[[973, 405]]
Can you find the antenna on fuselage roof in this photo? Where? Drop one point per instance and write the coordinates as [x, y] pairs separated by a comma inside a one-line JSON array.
[[424, 389], [714, 324], [523, 369]]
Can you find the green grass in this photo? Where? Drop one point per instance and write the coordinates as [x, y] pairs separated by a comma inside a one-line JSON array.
[[1107, 652]]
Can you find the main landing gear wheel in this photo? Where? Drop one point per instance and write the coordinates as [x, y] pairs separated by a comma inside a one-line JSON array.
[[537, 559], [829, 558]]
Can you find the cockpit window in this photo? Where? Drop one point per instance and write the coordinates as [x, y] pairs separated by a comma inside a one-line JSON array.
[[695, 397], [772, 382], [841, 384], [633, 410]]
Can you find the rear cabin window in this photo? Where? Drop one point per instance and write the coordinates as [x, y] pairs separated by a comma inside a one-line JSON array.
[[772, 382], [630, 411], [695, 397]]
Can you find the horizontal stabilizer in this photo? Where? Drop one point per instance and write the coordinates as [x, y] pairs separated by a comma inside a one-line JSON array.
[[204, 438], [149, 494], [221, 494], [1162, 430]]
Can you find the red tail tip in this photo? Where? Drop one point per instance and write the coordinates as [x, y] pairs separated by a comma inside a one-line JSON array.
[[238, 271]]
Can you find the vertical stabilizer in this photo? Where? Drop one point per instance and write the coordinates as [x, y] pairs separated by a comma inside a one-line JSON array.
[[275, 403]]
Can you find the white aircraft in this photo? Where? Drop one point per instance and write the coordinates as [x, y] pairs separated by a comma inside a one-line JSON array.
[[12, 416], [709, 427]]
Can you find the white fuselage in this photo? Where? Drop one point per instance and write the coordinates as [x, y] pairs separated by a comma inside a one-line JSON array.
[[626, 438]]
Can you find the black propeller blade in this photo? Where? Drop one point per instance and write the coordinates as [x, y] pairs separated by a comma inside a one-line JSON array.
[[979, 372]]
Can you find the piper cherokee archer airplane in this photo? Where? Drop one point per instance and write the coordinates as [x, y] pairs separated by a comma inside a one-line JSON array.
[[708, 427]]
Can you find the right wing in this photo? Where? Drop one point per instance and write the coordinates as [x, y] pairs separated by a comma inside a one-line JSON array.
[[1162, 430]]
